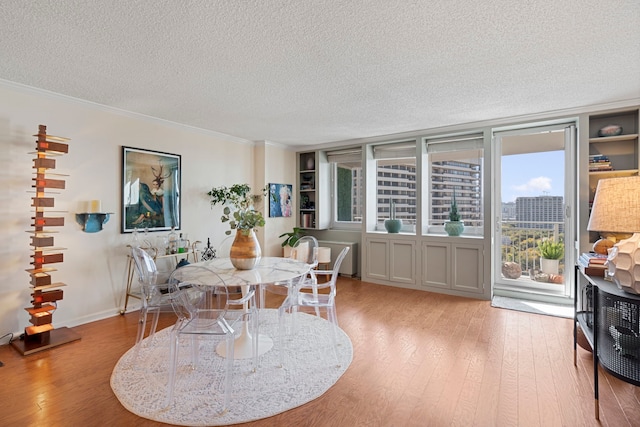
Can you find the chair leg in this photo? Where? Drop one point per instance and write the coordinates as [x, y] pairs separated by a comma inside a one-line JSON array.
[[263, 294], [154, 323], [281, 332], [315, 295], [255, 319], [195, 351], [142, 325], [294, 314], [332, 316], [228, 372], [173, 367], [333, 319]]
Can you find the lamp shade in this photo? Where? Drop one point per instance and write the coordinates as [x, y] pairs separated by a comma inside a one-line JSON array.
[[616, 206], [324, 255], [616, 209]]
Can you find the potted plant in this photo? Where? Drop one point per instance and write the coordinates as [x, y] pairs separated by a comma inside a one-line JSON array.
[[454, 227], [392, 225], [292, 238], [550, 254], [242, 216]]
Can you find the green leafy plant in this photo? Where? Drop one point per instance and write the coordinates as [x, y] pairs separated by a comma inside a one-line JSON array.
[[292, 237], [550, 249], [243, 217], [453, 212]]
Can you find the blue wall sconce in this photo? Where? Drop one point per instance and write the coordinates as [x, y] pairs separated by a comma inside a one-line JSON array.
[[93, 219]]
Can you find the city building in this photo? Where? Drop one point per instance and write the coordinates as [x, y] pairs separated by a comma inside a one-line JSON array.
[[462, 179], [539, 212]]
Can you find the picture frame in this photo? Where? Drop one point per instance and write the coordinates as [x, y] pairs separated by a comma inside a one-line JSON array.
[[280, 200], [151, 190]]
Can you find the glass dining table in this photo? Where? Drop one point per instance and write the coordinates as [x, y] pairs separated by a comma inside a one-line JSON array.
[[267, 270]]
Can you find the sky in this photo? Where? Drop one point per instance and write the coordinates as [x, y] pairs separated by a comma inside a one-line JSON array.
[[531, 175]]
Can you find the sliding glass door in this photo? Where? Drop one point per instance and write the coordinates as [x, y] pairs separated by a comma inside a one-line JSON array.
[[533, 194]]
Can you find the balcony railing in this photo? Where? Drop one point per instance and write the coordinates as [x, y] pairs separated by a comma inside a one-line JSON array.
[[520, 243]]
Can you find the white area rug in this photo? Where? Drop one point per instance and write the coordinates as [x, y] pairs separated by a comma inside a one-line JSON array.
[[309, 370], [533, 306]]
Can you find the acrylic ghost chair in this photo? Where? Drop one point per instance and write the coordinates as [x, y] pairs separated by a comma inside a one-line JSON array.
[[224, 251], [305, 296], [224, 248], [207, 310], [154, 293], [305, 250]]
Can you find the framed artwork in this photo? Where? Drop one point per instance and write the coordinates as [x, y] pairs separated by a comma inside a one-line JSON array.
[[280, 200], [150, 190]]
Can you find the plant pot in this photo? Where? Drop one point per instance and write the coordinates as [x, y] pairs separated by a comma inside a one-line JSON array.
[[454, 228], [286, 251], [393, 225], [245, 250], [549, 266]]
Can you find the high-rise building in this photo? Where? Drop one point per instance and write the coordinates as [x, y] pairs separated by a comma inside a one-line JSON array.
[[462, 179], [508, 211], [539, 212], [397, 183]]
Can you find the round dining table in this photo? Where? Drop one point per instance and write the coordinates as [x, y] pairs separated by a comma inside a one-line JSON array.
[[267, 270]]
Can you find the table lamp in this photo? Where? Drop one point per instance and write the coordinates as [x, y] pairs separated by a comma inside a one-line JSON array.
[[615, 214]]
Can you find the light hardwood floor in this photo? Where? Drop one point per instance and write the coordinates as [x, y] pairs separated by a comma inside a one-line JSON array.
[[420, 359]]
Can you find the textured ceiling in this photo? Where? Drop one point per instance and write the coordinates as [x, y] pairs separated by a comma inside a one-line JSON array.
[[310, 72]]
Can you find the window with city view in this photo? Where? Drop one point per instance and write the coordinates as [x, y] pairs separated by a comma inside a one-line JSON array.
[[396, 182], [454, 167], [451, 166]]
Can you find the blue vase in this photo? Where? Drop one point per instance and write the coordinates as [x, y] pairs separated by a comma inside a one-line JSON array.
[[454, 228], [393, 225]]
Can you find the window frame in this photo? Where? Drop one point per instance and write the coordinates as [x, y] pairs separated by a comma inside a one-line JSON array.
[[347, 155], [394, 151], [439, 147]]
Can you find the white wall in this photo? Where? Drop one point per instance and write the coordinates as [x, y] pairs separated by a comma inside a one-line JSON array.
[[94, 263], [279, 168]]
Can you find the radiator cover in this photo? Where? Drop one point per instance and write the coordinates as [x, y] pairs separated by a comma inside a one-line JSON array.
[[349, 265]]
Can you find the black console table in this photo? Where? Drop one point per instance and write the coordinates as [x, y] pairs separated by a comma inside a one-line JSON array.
[[610, 320]]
